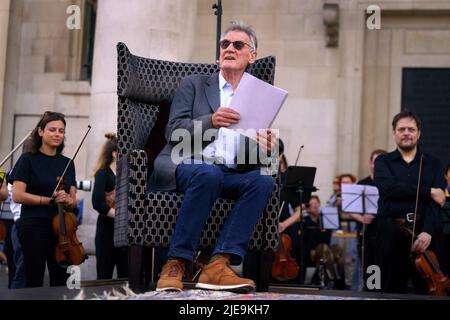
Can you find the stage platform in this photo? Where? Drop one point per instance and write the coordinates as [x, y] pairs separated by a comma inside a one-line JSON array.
[[114, 290]]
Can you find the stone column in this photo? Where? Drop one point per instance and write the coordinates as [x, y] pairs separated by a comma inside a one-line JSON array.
[[150, 28], [4, 19]]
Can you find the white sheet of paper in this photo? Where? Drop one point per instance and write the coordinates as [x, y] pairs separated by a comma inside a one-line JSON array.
[[330, 217], [352, 199], [257, 102]]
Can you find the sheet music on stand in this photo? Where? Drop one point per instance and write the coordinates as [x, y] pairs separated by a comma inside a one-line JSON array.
[[330, 218], [357, 198], [363, 199]]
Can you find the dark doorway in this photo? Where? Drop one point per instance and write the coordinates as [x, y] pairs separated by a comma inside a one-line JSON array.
[[426, 92]]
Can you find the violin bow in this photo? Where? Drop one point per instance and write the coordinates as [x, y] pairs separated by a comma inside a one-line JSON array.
[[417, 203], [68, 164], [15, 148]]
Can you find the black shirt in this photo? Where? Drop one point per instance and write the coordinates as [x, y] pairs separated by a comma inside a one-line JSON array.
[[105, 181], [396, 181], [39, 172], [367, 181], [313, 235]]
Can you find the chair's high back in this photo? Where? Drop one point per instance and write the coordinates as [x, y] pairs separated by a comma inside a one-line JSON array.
[[143, 86]]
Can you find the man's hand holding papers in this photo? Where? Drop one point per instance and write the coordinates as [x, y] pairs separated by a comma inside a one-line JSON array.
[[224, 117]]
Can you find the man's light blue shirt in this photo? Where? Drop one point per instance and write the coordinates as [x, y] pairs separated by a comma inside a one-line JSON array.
[[224, 148]]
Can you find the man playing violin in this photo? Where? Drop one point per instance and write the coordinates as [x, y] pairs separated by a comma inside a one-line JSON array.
[[396, 176]]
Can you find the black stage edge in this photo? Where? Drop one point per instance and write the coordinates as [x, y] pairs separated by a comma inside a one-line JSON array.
[[94, 288]]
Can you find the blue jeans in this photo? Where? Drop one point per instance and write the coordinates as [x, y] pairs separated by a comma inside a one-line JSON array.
[[19, 280], [202, 184]]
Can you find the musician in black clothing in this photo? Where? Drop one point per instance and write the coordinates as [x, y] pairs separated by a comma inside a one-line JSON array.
[[35, 180], [103, 201], [370, 230], [313, 233], [396, 176]]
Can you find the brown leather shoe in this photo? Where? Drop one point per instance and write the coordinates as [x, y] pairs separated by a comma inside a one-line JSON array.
[[217, 275], [171, 276]]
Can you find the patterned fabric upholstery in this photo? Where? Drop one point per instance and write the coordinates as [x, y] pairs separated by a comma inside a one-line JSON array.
[[149, 219]]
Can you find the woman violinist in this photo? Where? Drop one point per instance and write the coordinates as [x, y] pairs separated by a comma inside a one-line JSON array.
[[103, 202], [35, 179]]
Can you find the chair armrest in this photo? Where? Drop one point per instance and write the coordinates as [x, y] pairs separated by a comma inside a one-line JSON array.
[[131, 187], [134, 123], [271, 217]]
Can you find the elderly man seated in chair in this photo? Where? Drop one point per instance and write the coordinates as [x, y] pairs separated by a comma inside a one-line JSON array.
[[210, 170]]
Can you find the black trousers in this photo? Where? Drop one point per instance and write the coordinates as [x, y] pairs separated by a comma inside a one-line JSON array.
[[38, 242], [107, 255], [396, 265], [9, 250]]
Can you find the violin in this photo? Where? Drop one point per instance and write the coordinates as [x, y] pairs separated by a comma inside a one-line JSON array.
[[69, 250], [110, 199], [284, 266], [427, 265]]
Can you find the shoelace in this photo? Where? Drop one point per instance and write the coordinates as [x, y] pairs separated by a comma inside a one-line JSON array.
[[227, 270]]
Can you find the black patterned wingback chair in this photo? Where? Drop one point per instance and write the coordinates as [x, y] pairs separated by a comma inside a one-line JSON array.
[[147, 219]]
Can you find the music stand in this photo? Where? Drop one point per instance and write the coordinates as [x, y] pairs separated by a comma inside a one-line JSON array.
[[299, 182], [330, 217], [360, 199], [297, 189]]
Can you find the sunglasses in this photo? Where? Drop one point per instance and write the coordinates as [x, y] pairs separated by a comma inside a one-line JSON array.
[[238, 45]]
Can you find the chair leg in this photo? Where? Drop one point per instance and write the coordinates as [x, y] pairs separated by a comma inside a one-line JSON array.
[[149, 268], [265, 270], [135, 267], [258, 267]]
